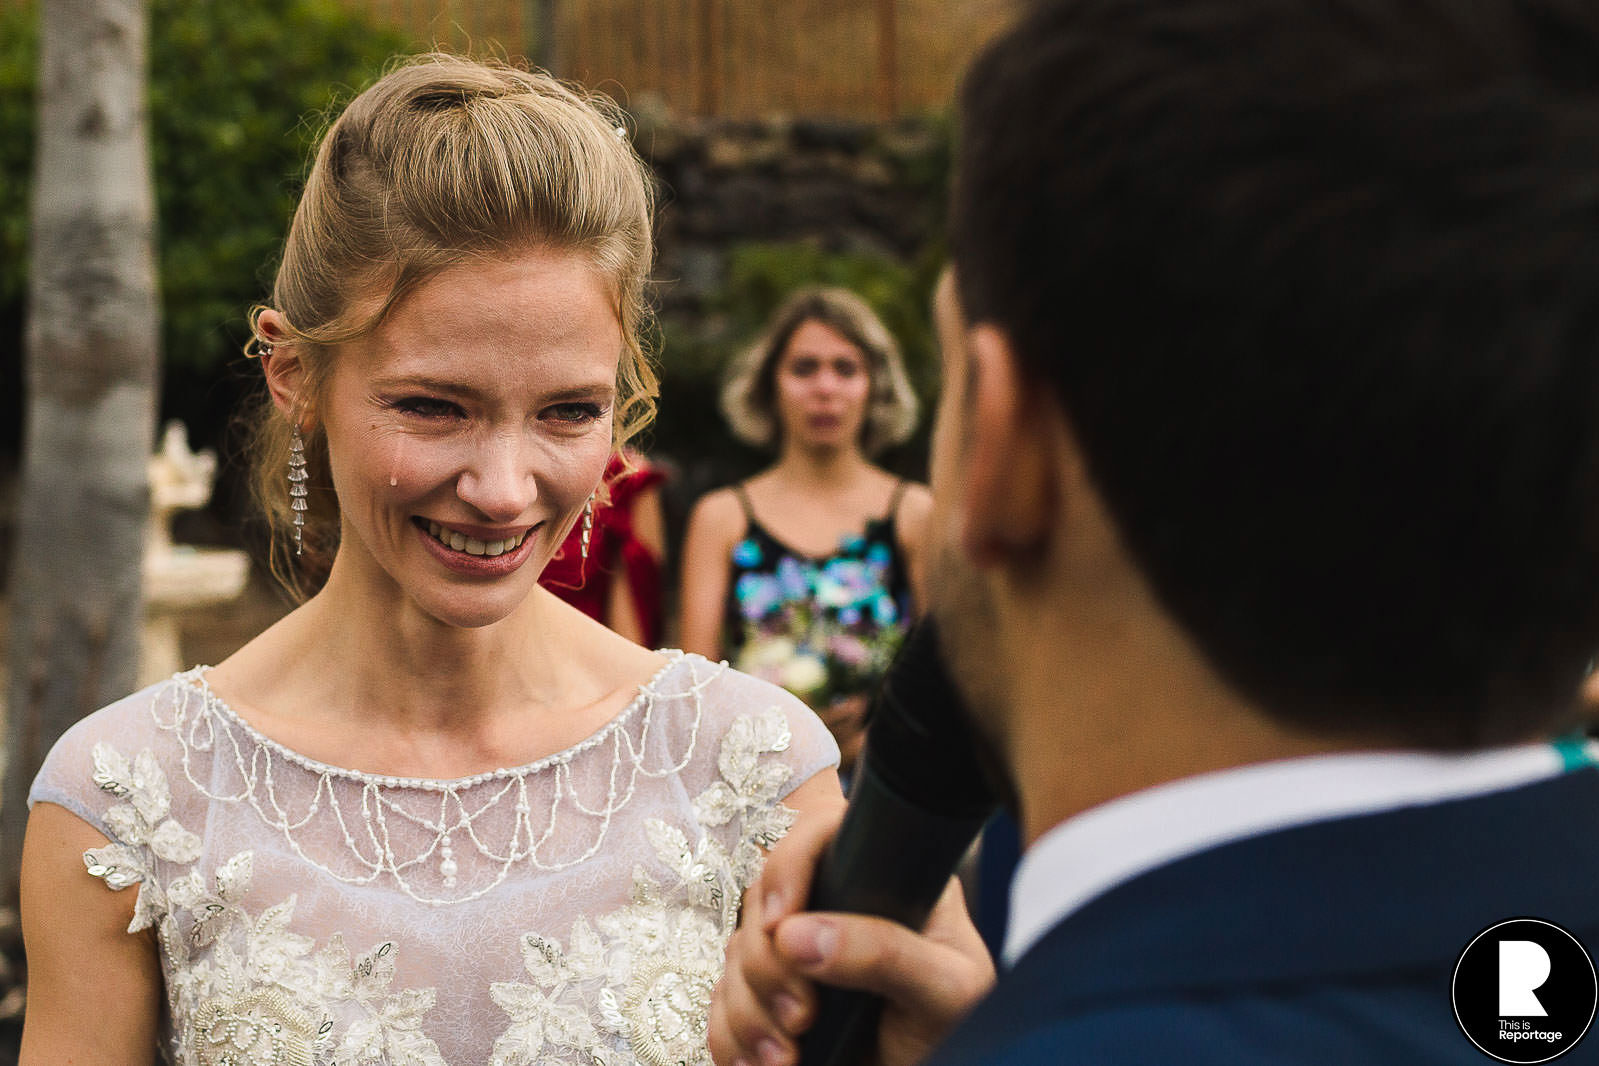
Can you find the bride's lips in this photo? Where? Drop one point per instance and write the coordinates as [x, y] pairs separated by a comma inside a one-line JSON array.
[[473, 557]]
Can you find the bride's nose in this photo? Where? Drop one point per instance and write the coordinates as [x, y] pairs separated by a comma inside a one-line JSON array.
[[497, 479]]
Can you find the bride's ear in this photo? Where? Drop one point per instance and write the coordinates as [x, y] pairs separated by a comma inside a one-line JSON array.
[[280, 363]]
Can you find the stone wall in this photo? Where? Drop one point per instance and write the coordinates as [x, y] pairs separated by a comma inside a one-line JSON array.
[[843, 186]]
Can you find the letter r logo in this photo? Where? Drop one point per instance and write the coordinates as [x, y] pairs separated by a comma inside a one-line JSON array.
[[1525, 990], [1523, 968]]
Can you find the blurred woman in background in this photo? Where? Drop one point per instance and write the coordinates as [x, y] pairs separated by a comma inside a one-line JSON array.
[[808, 573]]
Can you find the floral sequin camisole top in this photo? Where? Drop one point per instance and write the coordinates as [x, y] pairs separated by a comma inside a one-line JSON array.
[[823, 628]]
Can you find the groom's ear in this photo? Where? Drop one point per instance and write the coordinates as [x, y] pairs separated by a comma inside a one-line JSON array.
[[1013, 474]]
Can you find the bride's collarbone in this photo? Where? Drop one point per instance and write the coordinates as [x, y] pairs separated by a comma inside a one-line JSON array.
[[401, 730]]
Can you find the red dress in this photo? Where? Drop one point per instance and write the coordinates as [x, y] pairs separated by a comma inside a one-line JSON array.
[[614, 552]]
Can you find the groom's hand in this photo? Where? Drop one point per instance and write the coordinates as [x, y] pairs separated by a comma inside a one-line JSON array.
[[766, 1000]]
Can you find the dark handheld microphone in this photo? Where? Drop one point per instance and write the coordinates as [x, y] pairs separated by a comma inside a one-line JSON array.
[[921, 795]]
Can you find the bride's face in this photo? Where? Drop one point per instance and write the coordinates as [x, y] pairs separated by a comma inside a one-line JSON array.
[[467, 431]]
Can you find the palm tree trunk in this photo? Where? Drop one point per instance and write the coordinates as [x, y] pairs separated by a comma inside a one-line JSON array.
[[92, 345]]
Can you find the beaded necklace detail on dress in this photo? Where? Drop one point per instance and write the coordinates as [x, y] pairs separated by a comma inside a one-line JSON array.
[[418, 833]]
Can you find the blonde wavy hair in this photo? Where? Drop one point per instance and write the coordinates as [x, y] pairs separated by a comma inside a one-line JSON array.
[[749, 391], [441, 160]]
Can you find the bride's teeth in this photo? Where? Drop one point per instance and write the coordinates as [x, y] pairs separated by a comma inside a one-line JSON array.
[[462, 543]]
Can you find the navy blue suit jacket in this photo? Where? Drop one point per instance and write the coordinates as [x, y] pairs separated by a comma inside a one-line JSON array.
[[1329, 943]]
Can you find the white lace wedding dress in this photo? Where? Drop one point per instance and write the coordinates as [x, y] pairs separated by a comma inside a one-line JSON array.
[[570, 911]]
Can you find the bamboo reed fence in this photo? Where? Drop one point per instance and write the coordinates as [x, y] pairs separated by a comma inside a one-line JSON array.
[[730, 58]]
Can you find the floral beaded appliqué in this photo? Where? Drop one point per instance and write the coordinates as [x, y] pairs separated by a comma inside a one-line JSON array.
[[244, 989], [640, 978]]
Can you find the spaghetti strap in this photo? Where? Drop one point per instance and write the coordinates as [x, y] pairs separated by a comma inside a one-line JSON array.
[[744, 502], [899, 494]]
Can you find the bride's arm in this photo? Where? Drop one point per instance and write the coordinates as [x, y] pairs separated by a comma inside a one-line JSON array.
[[820, 798], [94, 989]]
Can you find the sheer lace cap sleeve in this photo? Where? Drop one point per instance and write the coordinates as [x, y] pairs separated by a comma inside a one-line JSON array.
[[68, 776], [807, 748], [109, 770]]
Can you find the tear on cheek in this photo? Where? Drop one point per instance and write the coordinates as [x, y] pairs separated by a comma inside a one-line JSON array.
[[396, 464]]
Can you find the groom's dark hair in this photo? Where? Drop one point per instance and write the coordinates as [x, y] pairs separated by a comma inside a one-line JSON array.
[[1317, 284]]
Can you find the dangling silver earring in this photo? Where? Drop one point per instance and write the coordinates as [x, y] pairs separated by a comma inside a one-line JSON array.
[[297, 489], [588, 527]]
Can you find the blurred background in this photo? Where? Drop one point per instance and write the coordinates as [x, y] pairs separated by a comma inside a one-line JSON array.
[[794, 142]]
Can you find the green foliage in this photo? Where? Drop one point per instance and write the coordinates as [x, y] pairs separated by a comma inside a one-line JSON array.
[[18, 30], [235, 94]]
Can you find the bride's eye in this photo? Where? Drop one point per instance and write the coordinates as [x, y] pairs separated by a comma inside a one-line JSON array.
[[575, 413], [426, 407]]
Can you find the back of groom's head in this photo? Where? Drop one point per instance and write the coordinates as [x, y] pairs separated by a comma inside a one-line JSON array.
[[1317, 284]]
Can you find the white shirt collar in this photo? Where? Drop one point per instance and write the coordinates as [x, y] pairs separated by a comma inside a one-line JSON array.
[[1099, 849]]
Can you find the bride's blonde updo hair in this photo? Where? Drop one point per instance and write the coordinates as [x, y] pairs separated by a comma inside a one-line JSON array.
[[443, 159]]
